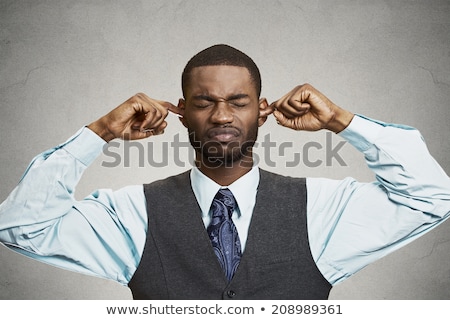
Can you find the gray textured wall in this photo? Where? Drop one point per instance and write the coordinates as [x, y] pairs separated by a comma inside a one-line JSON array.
[[65, 63]]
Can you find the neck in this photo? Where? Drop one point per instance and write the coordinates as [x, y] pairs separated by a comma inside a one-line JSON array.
[[225, 174]]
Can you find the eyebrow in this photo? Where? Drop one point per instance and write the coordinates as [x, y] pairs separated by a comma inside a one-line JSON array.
[[229, 98]]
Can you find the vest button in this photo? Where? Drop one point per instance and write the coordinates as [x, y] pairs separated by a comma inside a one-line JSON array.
[[231, 294]]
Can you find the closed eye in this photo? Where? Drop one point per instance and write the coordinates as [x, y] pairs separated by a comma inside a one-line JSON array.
[[203, 105], [202, 101], [239, 104], [239, 100]]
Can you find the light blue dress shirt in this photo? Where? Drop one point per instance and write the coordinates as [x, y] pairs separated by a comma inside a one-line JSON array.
[[350, 224]]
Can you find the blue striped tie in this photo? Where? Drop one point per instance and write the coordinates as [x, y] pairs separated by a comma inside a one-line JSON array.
[[223, 233]]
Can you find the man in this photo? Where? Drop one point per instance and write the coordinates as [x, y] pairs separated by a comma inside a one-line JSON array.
[[227, 229]]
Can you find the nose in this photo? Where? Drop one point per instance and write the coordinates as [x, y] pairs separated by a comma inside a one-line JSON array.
[[222, 113]]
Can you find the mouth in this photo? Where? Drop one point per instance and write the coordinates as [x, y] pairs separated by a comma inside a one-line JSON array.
[[223, 134]]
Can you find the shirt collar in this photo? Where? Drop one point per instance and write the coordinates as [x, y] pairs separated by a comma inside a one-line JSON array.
[[244, 190]]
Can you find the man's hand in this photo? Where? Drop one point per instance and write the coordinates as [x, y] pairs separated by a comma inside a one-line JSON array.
[[137, 118], [305, 108]]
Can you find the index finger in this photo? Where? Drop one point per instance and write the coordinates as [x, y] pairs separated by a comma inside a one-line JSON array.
[[172, 108], [279, 102], [274, 105]]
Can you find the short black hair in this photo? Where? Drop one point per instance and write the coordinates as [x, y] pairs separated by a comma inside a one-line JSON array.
[[219, 55]]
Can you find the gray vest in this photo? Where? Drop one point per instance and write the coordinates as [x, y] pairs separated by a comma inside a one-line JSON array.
[[178, 261]]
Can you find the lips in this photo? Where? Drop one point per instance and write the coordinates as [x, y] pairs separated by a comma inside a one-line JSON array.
[[223, 134]]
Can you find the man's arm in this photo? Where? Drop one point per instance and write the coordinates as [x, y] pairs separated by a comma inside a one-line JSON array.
[[396, 153], [42, 219]]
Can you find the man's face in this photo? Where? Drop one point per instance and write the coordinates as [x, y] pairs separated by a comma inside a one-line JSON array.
[[221, 112]]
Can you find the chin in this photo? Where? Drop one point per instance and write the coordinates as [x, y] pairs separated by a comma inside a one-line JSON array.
[[229, 157]]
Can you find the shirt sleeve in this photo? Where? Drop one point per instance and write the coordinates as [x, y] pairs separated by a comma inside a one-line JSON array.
[[352, 224], [101, 235]]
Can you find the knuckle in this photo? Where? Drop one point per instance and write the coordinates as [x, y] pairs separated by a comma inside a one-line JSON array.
[[133, 99], [136, 99]]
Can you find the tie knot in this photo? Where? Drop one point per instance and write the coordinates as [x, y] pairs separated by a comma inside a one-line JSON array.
[[224, 199]]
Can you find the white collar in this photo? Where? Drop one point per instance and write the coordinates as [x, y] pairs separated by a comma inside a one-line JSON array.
[[244, 190]]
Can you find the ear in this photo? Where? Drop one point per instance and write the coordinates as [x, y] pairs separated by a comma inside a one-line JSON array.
[[182, 107], [264, 111]]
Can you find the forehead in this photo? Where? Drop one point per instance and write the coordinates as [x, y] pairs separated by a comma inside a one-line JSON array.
[[220, 81]]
